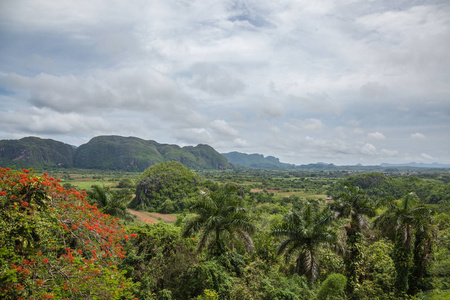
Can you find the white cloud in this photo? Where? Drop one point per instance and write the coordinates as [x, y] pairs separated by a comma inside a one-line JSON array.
[[389, 153], [44, 121], [369, 149], [417, 135], [223, 128], [426, 156], [377, 135]]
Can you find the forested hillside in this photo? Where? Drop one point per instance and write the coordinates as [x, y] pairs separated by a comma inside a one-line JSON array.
[[36, 152], [257, 161], [106, 153]]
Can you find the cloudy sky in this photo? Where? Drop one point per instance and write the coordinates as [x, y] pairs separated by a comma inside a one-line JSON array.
[[344, 82]]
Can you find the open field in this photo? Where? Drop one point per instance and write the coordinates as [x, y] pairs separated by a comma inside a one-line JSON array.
[[143, 217], [149, 217], [163, 217], [82, 179]]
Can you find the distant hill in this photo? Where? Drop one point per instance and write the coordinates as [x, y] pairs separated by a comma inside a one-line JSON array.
[[417, 165], [135, 154], [106, 153], [36, 152], [257, 161]]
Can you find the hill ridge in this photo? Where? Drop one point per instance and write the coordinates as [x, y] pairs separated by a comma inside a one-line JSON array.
[[110, 152]]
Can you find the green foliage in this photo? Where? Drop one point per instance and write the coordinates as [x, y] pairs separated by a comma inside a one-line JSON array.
[[208, 275], [126, 183], [305, 232], [222, 222], [332, 288], [353, 204], [113, 203], [377, 270], [233, 262], [54, 245], [380, 186], [165, 181], [265, 247], [265, 281], [158, 259], [208, 295], [409, 224]]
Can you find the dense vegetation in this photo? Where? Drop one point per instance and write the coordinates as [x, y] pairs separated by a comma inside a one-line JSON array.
[[248, 234], [257, 161], [106, 153], [165, 187], [35, 152], [54, 244]]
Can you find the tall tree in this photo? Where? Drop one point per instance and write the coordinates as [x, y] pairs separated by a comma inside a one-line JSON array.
[[221, 220], [408, 224], [353, 204], [305, 231]]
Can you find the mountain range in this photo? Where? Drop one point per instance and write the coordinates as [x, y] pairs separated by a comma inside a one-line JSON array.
[[136, 154], [106, 153]]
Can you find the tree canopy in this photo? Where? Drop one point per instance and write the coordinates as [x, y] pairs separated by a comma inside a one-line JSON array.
[[165, 185]]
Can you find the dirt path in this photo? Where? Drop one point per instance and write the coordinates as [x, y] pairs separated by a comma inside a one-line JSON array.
[[143, 217]]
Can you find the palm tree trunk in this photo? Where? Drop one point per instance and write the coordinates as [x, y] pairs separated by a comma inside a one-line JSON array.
[[352, 263]]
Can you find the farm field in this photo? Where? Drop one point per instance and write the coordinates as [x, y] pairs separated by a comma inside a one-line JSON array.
[[149, 217]]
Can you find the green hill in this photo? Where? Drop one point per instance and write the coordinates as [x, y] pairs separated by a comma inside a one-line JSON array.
[[256, 161], [35, 152], [106, 153], [135, 154], [117, 153]]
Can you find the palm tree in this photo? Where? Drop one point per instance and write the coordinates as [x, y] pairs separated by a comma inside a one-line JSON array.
[[409, 226], [99, 195], [305, 231], [110, 202], [353, 204], [221, 221]]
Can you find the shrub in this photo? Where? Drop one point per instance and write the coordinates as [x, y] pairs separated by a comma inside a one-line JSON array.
[[333, 287]]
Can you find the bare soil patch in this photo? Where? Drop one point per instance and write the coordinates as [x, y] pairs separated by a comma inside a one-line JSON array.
[[143, 217], [163, 217], [151, 217]]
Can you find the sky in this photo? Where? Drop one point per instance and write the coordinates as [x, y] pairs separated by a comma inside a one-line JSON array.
[[343, 82]]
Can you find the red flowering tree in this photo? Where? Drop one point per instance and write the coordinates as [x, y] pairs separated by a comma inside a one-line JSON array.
[[54, 244]]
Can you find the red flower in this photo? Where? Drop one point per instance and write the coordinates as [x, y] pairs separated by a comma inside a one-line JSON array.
[[2, 193], [24, 203]]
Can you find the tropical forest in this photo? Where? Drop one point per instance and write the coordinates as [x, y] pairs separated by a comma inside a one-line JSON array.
[[186, 223]]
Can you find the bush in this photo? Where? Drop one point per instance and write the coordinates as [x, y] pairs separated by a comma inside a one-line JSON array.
[[333, 287]]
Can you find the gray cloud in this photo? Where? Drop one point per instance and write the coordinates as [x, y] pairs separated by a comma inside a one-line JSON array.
[[334, 81]]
